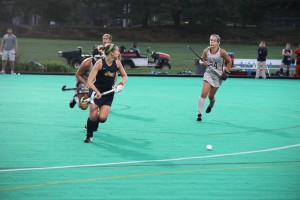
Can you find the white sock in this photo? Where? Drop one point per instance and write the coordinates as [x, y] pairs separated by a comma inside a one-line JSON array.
[[201, 102], [76, 99]]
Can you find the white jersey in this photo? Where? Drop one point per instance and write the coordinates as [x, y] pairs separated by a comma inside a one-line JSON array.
[[216, 61], [80, 85]]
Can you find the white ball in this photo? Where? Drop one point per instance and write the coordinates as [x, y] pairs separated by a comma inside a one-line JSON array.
[[209, 147], [18, 73]]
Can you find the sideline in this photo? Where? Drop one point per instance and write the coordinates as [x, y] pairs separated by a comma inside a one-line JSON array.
[[161, 75]]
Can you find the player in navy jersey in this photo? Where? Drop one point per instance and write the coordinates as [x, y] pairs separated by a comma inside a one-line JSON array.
[[286, 60], [83, 71], [102, 79]]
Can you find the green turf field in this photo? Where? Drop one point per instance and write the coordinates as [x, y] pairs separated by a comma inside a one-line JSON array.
[[151, 146]]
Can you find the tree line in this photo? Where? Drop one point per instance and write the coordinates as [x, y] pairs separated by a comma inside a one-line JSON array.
[[151, 12]]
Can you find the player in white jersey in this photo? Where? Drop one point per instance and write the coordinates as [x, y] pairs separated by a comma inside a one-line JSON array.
[[212, 57]]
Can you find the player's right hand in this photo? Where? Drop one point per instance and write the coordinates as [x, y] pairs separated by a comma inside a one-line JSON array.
[[224, 76]]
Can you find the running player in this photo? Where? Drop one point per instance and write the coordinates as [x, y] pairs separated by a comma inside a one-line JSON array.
[[287, 53], [213, 56], [83, 71], [101, 79]]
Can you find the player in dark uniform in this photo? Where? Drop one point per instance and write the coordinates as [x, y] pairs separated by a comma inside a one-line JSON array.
[[286, 61], [83, 71], [102, 79]]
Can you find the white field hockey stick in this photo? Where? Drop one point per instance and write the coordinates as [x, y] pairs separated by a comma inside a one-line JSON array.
[[88, 100], [205, 61]]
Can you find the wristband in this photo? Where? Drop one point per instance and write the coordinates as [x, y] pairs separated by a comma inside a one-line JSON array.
[[121, 83]]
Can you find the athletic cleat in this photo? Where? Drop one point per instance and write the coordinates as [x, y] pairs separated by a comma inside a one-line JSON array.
[[210, 106], [88, 139], [208, 109], [199, 117], [72, 103]]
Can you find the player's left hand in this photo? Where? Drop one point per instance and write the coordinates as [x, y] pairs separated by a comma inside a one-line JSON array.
[[119, 87], [224, 75]]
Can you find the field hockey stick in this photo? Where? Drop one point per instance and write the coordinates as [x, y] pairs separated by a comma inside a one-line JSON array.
[[268, 70], [88, 100], [64, 88], [190, 48]]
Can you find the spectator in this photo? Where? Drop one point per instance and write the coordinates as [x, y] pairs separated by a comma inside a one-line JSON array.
[[134, 48], [261, 60], [297, 54], [9, 47], [286, 61]]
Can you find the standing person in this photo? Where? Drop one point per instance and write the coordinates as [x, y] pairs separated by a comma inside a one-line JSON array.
[[9, 47], [261, 60], [101, 79], [213, 56], [287, 53], [297, 54], [83, 71]]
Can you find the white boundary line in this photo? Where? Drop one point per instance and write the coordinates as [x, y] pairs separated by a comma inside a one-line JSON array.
[[149, 161]]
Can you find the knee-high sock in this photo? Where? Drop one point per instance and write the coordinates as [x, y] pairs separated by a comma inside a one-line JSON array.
[[201, 102], [90, 127], [76, 99]]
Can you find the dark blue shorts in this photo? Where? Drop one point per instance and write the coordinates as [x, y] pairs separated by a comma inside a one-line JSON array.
[[104, 100], [286, 61]]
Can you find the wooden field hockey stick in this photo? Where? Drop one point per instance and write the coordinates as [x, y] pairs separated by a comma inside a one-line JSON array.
[[205, 61], [88, 100]]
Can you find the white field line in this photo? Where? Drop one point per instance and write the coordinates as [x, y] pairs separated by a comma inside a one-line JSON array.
[[151, 161]]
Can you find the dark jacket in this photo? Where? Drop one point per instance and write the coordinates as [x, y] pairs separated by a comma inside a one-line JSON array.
[[262, 54]]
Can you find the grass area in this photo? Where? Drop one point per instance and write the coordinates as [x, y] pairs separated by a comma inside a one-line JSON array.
[[45, 50]]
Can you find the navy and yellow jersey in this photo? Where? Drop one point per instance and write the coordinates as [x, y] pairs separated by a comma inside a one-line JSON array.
[[105, 78], [287, 59]]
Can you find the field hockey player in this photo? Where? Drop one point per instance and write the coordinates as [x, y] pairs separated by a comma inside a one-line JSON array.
[[102, 79], [213, 56]]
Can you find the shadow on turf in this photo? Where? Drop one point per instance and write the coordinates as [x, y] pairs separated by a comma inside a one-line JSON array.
[[130, 149]]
